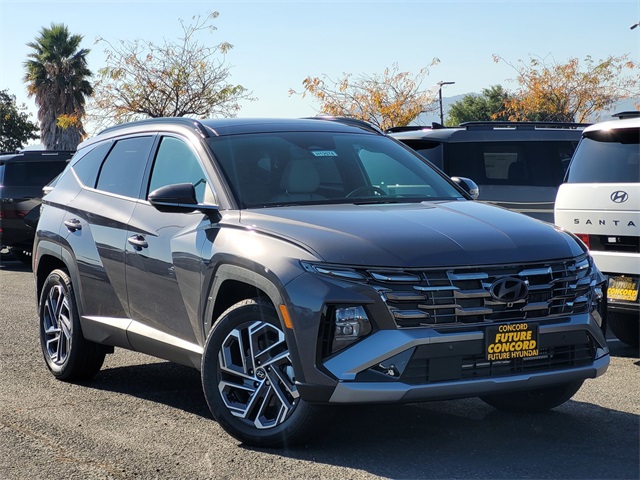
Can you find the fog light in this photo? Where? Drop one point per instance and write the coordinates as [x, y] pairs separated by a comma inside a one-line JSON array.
[[351, 324]]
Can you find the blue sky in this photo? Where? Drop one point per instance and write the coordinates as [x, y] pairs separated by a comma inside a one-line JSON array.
[[279, 43]]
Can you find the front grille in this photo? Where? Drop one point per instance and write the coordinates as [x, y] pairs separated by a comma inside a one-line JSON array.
[[419, 298], [557, 351]]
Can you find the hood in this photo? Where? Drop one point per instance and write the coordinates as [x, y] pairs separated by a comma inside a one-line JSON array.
[[454, 233]]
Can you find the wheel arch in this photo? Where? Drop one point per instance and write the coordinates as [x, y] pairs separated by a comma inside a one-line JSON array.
[[52, 256], [232, 284]]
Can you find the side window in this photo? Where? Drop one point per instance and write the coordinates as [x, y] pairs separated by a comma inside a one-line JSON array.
[[88, 166], [123, 169], [177, 163]]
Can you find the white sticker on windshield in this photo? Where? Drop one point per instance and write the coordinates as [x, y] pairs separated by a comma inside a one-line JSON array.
[[324, 153]]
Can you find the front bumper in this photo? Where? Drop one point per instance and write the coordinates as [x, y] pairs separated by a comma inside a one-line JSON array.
[[384, 392], [422, 364]]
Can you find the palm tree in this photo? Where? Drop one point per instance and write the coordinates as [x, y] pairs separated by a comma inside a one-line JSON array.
[[56, 74]]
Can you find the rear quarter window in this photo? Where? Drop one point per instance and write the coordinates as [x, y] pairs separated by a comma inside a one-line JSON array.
[[88, 165]]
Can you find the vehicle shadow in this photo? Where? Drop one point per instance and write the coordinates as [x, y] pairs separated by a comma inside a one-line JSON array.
[[164, 382], [454, 439], [8, 263], [620, 349], [467, 439]]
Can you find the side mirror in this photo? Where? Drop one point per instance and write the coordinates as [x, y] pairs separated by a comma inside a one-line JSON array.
[[468, 186], [179, 198]]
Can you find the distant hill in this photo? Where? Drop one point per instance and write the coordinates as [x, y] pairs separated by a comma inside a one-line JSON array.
[[428, 118]]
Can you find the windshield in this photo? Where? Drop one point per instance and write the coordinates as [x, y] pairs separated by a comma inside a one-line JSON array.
[[289, 168]]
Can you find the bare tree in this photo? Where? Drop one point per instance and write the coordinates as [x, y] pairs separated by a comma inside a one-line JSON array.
[[183, 78]]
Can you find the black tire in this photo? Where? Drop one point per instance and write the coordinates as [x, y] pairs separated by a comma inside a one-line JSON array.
[[533, 401], [68, 355], [626, 327], [248, 381], [22, 255]]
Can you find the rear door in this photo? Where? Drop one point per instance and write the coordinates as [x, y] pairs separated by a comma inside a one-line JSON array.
[[95, 224]]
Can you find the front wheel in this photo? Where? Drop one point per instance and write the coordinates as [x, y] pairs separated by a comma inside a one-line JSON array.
[[532, 401], [248, 378], [67, 353]]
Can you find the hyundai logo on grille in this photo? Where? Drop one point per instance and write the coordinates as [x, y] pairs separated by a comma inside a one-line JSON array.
[[619, 196], [509, 289]]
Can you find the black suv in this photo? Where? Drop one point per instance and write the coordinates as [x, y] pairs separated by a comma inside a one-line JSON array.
[[298, 263], [517, 165], [22, 177]]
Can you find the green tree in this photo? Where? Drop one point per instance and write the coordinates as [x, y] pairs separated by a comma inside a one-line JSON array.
[[392, 99], [15, 127], [57, 76], [487, 106], [571, 91], [182, 78]]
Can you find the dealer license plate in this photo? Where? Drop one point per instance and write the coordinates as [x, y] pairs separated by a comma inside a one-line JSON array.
[[623, 288], [509, 341]]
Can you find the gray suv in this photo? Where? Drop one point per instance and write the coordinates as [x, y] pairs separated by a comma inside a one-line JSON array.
[[299, 263]]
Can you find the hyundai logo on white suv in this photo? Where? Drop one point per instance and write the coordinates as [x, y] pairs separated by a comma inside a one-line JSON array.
[[619, 196]]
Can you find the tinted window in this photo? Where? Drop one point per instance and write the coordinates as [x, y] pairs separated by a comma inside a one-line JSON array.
[[176, 163], [32, 174], [323, 167], [88, 166], [598, 161], [540, 164], [432, 151], [122, 171]]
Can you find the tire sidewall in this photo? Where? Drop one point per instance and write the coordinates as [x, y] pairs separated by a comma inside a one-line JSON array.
[[626, 327], [59, 277]]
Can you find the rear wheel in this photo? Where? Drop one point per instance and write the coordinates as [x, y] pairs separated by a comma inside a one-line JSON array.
[[531, 401], [248, 378], [626, 327], [67, 353]]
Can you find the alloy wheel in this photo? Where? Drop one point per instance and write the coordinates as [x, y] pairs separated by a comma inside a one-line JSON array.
[[57, 325], [256, 376]]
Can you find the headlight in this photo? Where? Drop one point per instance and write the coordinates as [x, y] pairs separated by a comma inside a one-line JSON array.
[[348, 325]]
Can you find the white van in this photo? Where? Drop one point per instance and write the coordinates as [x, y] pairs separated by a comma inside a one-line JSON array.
[[600, 203]]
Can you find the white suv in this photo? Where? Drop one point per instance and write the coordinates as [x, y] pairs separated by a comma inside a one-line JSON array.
[[600, 203]]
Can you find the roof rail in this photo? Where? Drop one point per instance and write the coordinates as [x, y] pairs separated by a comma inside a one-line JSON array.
[[521, 125], [627, 114], [188, 122], [355, 122], [407, 128]]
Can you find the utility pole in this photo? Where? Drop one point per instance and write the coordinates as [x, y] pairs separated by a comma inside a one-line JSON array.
[[440, 84]]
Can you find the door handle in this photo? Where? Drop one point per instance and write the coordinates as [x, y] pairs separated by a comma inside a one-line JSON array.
[[138, 242], [73, 225]]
